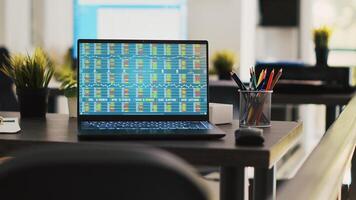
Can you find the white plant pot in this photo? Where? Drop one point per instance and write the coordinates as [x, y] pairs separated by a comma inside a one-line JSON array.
[[72, 106]]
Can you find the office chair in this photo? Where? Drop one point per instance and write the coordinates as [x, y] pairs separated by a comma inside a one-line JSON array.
[[100, 172], [8, 100]]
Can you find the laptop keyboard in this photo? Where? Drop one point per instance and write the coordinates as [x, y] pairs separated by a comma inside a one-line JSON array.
[[147, 125]]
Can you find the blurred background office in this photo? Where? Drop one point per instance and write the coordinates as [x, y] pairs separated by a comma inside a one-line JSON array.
[[254, 30], [251, 29]]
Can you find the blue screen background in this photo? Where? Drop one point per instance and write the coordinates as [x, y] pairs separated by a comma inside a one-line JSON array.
[[85, 14], [142, 79]]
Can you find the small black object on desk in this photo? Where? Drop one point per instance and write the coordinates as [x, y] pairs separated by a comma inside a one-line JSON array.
[[249, 136]]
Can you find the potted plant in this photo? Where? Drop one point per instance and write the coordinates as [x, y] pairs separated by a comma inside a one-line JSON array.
[[31, 75], [69, 86], [68, 77], [321, 38], [223, 62]]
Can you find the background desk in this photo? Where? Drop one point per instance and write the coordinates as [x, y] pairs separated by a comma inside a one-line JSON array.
[[227, 92], [58, 128]]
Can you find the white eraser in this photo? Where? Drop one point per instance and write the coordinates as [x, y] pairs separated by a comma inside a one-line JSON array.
[[220, 113]]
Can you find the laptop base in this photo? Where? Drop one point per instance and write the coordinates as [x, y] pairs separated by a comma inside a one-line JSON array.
[[127, 134]]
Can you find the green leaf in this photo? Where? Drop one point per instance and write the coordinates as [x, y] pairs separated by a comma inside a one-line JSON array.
[[70, 92], [223, 61], [29, 71]]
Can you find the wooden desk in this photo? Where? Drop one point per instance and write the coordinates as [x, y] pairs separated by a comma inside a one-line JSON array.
[[58, 128]]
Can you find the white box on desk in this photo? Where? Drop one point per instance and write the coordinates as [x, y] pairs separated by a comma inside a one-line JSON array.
[[220, 113]]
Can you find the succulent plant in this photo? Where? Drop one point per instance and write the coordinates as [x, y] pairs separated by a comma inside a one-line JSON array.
[[67, 76], [321, 36], [29, 71], [223, 61]]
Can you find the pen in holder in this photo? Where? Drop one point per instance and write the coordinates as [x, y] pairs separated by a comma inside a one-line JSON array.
[[255, 108]]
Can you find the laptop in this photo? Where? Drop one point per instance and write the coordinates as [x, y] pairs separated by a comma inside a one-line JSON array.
[[143, 89]]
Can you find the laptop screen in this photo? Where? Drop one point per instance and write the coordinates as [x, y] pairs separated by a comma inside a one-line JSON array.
[[142, 77]]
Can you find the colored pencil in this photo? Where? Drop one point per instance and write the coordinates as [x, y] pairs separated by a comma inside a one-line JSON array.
[[262, 83], [238, 81], [260, 77], [276, 78], [254, 79], [270, 79]]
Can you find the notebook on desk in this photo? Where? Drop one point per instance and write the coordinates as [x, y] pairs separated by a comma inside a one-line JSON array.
[[143, 89], [9, 125]]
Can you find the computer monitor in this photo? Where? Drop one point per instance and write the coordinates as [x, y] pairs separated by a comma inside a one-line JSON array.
[[134, 19], [132, 78]]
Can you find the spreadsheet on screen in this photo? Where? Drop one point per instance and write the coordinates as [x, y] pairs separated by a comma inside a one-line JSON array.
[[142, 79]]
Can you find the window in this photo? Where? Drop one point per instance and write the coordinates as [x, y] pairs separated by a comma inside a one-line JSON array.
[[341, 16]]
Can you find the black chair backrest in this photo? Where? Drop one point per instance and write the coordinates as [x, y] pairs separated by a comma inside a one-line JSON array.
[[105, 172]]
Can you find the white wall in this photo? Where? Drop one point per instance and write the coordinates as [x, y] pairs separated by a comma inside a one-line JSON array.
[[227, 24], [306, 25], [275, 43], [295, 43], [216, 21], [2, 22], [58, 25], [17, 25], [52, 29], [249, 20]]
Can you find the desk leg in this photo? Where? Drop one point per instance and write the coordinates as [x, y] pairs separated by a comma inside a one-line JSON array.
[[352, 190], [332, 112], [330, 116], [232, 183], [264, 184]]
